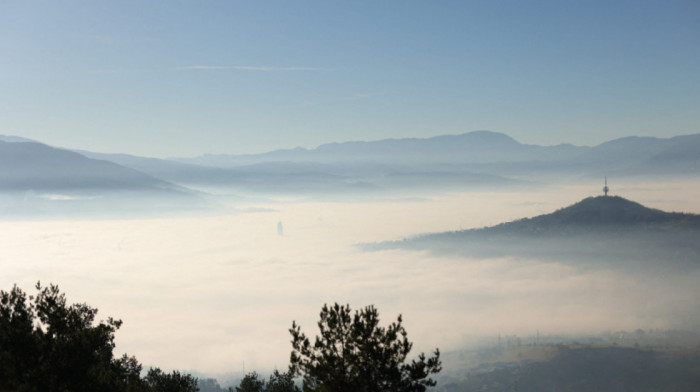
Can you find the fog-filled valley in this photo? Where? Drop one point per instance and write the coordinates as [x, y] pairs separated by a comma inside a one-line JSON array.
[[209, 265]]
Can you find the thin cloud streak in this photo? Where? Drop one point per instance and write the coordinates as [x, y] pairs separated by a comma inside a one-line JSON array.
[[361, 96], [108, 71], [247, 68]]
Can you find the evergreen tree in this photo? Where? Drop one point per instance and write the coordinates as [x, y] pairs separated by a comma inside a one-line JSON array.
[[158, 381], [251, 382], [354, 354], [281, 382]]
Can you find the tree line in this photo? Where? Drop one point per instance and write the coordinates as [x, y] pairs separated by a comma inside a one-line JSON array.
[[49, 345]]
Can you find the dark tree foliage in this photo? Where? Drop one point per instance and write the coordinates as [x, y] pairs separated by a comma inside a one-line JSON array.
[[128, 371], [19, 348], [251, 382], [354, 354], [158, 381], [278, 382], [48, 345], [281, 382]]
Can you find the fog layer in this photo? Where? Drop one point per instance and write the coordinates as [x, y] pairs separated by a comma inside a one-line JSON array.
[[218, 293]]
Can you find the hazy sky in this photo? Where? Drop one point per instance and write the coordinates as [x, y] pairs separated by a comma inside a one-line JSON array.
[[181, 78]]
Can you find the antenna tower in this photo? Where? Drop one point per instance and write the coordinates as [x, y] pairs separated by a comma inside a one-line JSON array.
[[605, 188]]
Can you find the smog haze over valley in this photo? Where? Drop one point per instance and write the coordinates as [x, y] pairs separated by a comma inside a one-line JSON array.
[[209, 172]]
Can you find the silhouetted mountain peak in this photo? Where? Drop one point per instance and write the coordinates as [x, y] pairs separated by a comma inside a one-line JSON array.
[[602, 211], [608, 209], [602, 229]]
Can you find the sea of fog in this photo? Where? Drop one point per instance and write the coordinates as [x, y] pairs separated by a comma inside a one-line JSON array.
[[218, 293]]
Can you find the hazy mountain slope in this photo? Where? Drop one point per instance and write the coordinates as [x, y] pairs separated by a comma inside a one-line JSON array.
[[35, 166], [643, 156], [264, 177], [16, 139], [309, 177], [38, 182], [682, 157], [159, 168]]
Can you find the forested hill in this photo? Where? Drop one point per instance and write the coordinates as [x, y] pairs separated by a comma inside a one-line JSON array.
[[600, 213], [602, 228], [590, 368]]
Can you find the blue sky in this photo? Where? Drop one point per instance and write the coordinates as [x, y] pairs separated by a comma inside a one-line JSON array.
[[183, 78]]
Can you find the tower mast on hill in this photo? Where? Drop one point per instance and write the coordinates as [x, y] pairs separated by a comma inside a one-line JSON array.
[[605, 188]]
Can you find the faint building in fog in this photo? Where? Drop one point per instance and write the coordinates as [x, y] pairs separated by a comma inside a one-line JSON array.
[[280, 228]]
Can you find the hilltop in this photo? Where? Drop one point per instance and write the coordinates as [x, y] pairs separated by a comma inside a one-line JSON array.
[[602, 213]]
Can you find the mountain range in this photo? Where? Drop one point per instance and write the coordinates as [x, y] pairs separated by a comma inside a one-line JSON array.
[[474, 160], [481, 149]]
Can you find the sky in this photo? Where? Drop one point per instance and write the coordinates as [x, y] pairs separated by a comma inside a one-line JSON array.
[[184, 78]]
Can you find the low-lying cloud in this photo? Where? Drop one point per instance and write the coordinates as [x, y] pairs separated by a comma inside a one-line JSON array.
[[218, 293]]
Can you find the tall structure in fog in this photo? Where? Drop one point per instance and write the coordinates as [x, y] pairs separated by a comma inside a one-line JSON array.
[[280, 228], [605, 188]]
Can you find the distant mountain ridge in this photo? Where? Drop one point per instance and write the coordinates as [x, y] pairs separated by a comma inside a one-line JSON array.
[[485, 152], [474, 160], [475, 147]]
